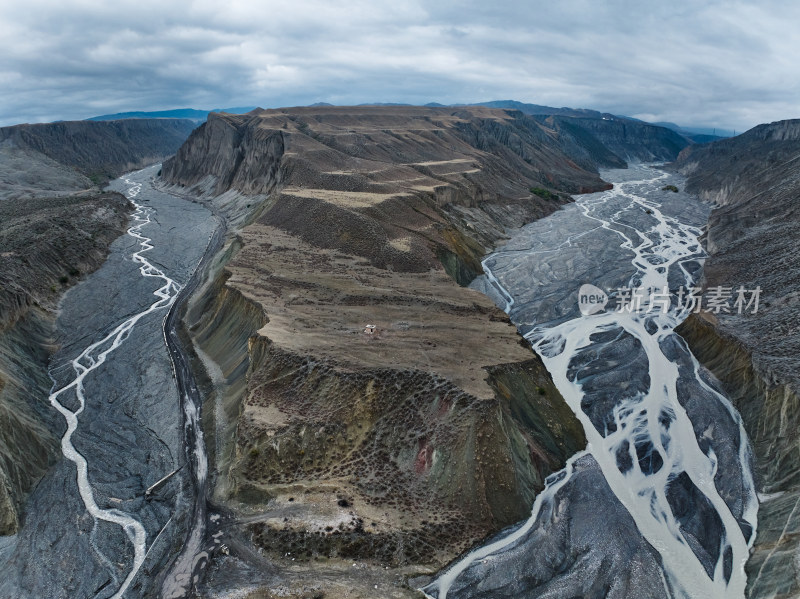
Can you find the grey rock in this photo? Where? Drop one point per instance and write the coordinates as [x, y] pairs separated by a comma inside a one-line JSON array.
[[753, 242]]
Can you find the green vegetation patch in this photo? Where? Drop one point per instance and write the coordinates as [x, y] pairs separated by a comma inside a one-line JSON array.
[[544, 193]]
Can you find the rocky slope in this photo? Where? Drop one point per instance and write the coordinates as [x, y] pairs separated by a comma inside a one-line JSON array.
[[100, 150], [605, 138], [390, 142], [753, 241], [626, 139], [586, 149], [55, 226], [399, 448], [385, 180]]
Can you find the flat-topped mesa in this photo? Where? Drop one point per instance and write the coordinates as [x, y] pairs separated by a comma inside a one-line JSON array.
[[447, 182], [358, 215], [486, 154]]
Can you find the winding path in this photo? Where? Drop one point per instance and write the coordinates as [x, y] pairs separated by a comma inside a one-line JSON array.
[[180, 578]]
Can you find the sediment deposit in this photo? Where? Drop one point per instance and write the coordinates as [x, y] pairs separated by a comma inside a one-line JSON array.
[[57, 226]]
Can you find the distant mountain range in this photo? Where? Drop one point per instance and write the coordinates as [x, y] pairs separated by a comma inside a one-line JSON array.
[[713, 133], [695, 134], [178, 113]]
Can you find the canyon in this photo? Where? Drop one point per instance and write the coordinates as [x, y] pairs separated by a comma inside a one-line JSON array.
[[389, 448], [354, 461], [57, 226], [385, 448]]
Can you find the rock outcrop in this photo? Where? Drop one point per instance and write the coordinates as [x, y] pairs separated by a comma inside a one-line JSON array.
[[753, 242], [400, 447]]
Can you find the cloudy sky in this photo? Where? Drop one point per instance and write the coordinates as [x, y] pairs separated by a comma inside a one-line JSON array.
[[718, 64]]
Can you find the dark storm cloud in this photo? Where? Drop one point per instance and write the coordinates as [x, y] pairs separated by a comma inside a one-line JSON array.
[[720, 63]]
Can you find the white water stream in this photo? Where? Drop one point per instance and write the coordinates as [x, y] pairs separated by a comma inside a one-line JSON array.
[[92, 358], [655, 418]]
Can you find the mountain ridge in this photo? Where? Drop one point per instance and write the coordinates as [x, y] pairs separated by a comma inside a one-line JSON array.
[[752, 243], [99, 149], [375, 215]]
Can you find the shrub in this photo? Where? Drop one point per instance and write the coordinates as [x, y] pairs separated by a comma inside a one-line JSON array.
[[670, 188], [543, 193]]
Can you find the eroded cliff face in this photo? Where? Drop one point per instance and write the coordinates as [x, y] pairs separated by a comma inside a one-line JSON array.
[[400, 425], [100, 150], [400, 447], [771, 412], [611, 138], [416, 149], [383, 184], [387, 465], [752, 240], [27, 443]]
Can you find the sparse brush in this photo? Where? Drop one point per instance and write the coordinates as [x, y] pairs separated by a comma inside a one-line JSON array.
[[544, 193]]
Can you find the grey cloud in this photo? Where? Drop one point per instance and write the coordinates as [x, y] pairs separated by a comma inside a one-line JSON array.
[[726, 64]]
